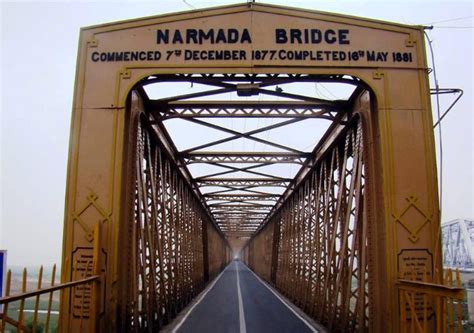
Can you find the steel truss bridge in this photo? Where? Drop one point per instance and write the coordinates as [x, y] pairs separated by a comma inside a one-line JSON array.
[[347, 228], [458, 244]]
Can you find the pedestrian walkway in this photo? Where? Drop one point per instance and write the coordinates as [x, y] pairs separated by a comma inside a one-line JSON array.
[[239, 302]]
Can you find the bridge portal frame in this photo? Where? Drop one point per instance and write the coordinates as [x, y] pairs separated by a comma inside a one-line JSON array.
[[400, 158]]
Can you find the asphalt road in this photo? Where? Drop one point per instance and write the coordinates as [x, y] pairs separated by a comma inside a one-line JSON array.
[[239, 303]]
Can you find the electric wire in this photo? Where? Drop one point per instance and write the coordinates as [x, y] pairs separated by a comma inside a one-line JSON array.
[[453, 27], [453, 19], [438, 110], [329, 91], [188, 4]]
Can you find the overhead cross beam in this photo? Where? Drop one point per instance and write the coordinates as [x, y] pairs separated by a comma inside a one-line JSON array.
[[244, 109], [243, 222], [240, 228], [242, 197], [258, 87], [250, 225], [244, 157], [247, 202], [239, 214], [232, 169], [241, 219], [221, 214], [239, 206], [222, 218], [273, 79], [254, 182], [216, 83]]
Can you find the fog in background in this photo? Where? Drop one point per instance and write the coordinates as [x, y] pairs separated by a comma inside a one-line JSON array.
[[38, 59]]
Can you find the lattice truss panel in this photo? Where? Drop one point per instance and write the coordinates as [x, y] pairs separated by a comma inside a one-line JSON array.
[[216, 252], [322, 254], [458, 243], [240, 173], [167, 239], [308, 225]]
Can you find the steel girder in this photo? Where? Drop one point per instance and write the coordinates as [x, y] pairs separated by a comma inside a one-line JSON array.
[[257, 193], [315, 246]]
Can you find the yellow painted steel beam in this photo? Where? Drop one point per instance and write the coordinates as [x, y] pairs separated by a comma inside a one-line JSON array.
[[121, 158], [431, 289]]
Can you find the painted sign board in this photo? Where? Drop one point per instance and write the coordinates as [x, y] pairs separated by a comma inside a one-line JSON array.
[[256, 38]]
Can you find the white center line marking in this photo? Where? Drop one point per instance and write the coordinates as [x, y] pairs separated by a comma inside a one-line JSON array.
[[283, 301], [243, 328]]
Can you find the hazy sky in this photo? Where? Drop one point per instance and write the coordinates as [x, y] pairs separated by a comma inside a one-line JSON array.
[[38, 55]]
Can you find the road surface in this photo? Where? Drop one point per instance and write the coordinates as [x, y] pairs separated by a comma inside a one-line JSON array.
[[238, 302]]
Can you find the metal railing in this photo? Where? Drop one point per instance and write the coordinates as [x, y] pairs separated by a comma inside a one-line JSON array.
[[14, 315], [431, 307]]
